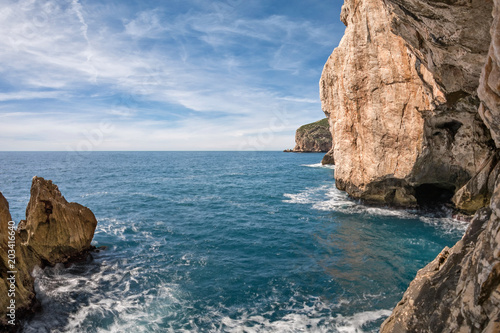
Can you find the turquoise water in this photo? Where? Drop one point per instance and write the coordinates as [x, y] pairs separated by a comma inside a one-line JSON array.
[[222, 242]]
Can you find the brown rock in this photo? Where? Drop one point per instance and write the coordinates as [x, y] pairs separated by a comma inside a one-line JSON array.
[[24, 292], [489, 86], [328, 158], [404, 112], [477, 192], [314, 137], [55, 231], [460, 290]]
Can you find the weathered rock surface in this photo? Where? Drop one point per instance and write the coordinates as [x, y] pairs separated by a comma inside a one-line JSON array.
[[460, 290], [55, 231], [328, 158], [489, 87], [400, 94], [314, 137], [477, 192]]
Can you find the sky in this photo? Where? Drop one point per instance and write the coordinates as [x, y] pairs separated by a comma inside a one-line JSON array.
[[87, 75]]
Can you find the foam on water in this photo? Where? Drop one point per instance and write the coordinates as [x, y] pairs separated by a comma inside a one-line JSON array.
[[219, 247], [319, 165], [329, 198], [101, 292]]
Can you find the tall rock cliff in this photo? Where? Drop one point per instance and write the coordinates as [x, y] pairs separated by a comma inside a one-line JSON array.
[[313, 137], [400, 92], [413, 97], [460, 290], [54, 231]]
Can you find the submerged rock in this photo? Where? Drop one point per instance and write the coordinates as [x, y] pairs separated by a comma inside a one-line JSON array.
[[314, 137], [55, 231]]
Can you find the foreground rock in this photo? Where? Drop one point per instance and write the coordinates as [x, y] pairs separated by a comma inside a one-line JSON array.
[[314, 137], [400, 92], [460, 290], [55, 231]]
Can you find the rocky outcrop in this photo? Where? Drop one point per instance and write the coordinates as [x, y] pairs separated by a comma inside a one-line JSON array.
[[314, 137], [400, 92], [328, 158], [460, 290], [55, 231]]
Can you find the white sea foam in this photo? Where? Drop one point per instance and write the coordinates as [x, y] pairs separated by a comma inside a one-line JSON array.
[[306, 320], [163, 307], [355, 323], [329, 198], [319, 165]]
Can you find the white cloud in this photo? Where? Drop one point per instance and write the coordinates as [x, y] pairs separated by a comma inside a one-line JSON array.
[[192, 61]]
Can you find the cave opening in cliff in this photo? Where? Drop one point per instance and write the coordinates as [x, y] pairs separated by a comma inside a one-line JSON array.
[[434, 195]]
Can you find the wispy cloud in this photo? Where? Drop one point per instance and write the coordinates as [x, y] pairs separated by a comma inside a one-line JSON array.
[[211, 76]]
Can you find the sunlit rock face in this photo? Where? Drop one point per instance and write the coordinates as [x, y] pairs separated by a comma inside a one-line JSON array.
[[400, 92], [55, 231]]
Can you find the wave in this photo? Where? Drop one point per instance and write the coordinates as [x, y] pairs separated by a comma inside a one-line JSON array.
[[306, 321], [329, 198], [319, 165], [108, 293]]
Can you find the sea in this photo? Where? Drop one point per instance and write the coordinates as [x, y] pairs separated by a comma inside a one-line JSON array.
[[222, 242]]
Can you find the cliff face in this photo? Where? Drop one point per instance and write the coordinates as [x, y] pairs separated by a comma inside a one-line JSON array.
[[460, 290], [413, 94], [400, 92], [55, 231], [314, 137]]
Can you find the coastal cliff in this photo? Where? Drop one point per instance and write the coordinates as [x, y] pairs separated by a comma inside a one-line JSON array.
[[401, 95], [55, 231], [313, 137], [413, 98]]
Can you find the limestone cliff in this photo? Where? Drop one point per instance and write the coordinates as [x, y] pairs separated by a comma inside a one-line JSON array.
[[460, 290], [400, 92], [314, 137], [54, 231], [413, 97]]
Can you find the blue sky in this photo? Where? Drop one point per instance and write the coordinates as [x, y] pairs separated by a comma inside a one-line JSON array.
[[161, 75]]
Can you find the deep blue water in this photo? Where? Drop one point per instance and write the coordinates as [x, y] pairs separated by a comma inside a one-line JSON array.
[[222, 242]]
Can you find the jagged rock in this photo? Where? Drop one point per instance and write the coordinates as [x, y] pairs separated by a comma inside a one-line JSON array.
[[328, 158], [477, 192], [460, 290], [489, 86], [314, 137], [24, 293], [4, 219], [55, 231], [404, 112]]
